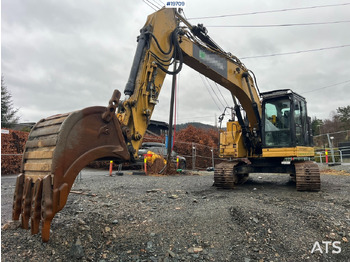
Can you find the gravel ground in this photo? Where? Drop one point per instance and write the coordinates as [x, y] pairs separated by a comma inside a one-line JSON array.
[[184, 218]]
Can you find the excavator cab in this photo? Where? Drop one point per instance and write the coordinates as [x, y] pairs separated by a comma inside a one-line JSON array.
[[285, 121]]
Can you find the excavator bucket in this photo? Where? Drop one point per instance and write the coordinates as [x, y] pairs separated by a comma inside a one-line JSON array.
[[57, 149]]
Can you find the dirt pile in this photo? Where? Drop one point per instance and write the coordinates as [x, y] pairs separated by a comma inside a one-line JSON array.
[[335, 172], [155, 167], [12, 147], [158, 167]]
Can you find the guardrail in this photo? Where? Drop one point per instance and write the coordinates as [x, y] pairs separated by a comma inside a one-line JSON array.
[[338, 156]]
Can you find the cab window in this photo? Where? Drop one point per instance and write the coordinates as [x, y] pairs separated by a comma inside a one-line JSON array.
[[277, 123]]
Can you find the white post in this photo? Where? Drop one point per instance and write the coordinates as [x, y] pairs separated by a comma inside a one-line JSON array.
[[330, 142], [341, 156], [193, 156]]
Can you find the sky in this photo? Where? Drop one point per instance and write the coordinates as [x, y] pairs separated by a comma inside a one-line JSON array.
[[62, 56]]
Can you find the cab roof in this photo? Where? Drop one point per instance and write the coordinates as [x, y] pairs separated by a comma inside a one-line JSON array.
[[279, 93]]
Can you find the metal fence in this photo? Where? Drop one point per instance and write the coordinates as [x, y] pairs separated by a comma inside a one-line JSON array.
[[198, 156], [331, 139], [332, 147], [335, 155]]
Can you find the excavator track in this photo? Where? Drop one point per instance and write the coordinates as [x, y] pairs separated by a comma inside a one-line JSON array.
[[225, 177], [58, 147], [307, 176]]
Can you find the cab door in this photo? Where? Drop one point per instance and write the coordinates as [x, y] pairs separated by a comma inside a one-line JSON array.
[[277, 122], [301, 123]]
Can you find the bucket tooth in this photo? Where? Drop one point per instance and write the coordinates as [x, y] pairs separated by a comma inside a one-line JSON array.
[[17, 198], [47, 211], [36, 207], [26, 202]]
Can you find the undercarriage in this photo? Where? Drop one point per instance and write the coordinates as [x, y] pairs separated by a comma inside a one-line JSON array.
[[305, 174]]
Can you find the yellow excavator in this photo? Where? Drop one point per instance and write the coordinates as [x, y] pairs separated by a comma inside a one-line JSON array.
[[267, 127]]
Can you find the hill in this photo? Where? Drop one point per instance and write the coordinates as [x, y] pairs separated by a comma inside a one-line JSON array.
[[196, 125]]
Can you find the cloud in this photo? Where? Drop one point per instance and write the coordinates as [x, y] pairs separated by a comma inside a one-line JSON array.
[[60, 56]]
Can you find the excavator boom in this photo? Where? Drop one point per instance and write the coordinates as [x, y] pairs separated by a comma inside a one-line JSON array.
[[162, 41]]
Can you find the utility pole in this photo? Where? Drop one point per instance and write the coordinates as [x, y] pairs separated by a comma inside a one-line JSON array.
[[171, 115]]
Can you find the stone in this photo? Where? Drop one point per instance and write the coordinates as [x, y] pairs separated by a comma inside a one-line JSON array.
[[149, 244], [153, 190], [11, 225], [77, 250], [193, 250], [171, 253], [342, 233], [81, 221], [332, 235], [90, 238]]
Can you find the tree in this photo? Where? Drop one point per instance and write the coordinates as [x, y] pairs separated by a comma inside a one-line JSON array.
[[344, 116], [331, 125], [8, 112], [205, 140], [316, 126]]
